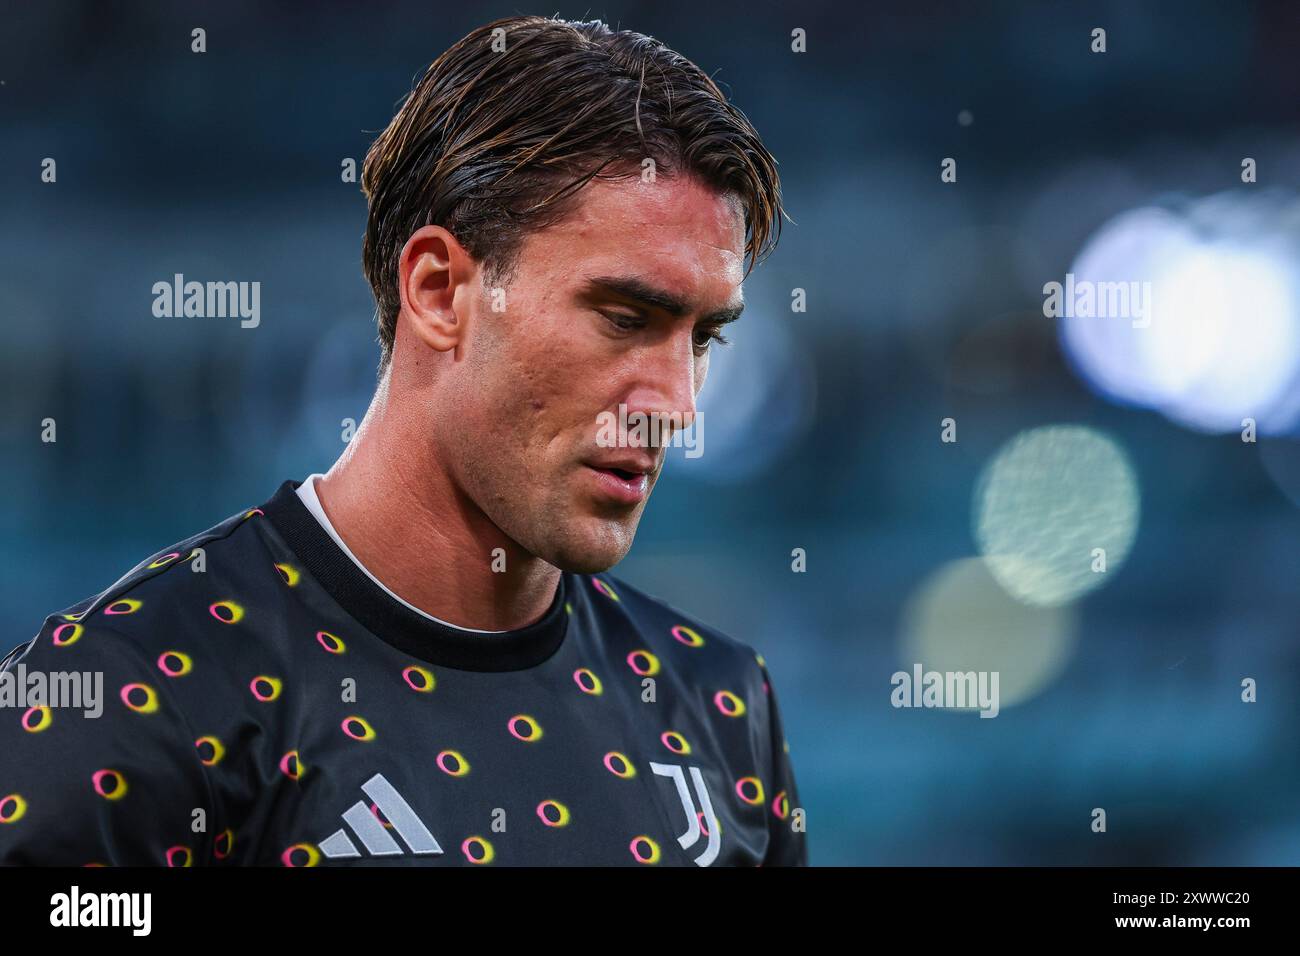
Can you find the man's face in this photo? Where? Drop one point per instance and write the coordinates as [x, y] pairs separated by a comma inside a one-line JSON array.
[[616, 305]]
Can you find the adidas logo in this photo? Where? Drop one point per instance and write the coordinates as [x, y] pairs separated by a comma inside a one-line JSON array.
[[372, 834]]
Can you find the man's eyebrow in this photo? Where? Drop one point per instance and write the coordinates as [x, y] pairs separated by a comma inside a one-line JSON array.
[[638, 290]]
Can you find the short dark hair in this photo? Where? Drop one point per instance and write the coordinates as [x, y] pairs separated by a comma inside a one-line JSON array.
[[493, 143]]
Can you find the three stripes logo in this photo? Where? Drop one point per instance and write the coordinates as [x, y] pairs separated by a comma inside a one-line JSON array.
[[372, 834], [692, 834]]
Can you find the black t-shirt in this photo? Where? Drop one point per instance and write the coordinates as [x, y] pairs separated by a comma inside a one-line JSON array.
[[264, 702]]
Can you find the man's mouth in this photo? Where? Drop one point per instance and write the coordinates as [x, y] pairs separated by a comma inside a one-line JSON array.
[[626, 482]]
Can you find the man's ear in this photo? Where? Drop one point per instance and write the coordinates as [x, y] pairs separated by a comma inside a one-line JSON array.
[[433, 265]]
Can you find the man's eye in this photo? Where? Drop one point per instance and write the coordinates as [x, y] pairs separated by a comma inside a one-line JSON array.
[[709, 337], [625, 323]]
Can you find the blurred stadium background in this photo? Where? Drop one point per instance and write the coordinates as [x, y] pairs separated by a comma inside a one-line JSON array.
[[822, 429]]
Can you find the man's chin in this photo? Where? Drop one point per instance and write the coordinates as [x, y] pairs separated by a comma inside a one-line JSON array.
[[594, 548]]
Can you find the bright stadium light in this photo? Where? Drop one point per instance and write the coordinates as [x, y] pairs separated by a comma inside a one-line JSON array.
[[1195, 316], [1227, 346]]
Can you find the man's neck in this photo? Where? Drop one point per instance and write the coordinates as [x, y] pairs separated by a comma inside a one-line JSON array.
[[413, 529]]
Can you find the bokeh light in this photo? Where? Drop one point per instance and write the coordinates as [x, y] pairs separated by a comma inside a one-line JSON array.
[[1046, 502], [1216, 339], [959, 619]]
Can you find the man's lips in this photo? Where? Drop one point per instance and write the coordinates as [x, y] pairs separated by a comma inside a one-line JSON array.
[[625, 480], [627, 465]]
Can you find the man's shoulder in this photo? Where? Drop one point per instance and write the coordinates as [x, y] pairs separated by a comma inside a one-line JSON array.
[[669, 630], [140, 608]]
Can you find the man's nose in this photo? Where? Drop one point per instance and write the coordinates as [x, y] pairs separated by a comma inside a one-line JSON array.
[[665, 390]]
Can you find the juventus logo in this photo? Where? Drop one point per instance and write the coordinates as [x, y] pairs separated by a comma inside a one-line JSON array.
[[692, 834]]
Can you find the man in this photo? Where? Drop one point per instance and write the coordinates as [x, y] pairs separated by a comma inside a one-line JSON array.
[[416, 658]]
